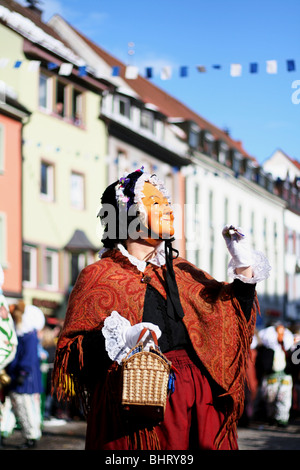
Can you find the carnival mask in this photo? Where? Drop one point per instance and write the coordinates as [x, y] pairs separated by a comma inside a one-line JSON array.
[[159, 215]]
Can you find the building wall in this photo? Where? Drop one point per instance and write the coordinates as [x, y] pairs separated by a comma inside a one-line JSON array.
[[49, 225], [10, 205], [292, 265], [214, 199], [280, 166]]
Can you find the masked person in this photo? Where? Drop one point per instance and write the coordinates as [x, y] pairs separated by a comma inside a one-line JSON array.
[[8, 337], [8, 347], [204, 327]]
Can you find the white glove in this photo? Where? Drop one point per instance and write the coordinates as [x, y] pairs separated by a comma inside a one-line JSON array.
[[131, 334], [238, 246]]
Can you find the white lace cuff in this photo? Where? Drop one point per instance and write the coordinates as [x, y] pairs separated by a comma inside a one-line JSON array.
[[113, 331], [261, 269]]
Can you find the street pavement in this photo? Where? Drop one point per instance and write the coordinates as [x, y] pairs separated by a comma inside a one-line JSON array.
[[57, 434], [70, 435], [261, 436]]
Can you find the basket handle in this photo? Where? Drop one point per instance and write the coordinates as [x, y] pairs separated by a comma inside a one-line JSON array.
[[144, 331]]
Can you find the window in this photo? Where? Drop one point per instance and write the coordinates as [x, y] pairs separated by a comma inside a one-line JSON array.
[[194, 136], [29, 265], [123, 106], [45, 92], [222, 153], [77, 191], [47, 181], [60, 99], [147, 120], [78, 262], [1, 148], [76, 107], [51, 269]]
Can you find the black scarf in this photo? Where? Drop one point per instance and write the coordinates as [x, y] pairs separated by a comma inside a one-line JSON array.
[[173, 301]]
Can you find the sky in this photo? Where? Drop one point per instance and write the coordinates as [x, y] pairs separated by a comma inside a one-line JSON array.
[[260, 109]]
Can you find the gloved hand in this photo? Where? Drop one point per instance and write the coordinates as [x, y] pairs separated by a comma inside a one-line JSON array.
[[238, 246], [131, 334]]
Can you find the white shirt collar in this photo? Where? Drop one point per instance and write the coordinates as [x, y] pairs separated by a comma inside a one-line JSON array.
[[158, 259]]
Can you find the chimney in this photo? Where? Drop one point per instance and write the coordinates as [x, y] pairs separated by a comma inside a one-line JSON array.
[[32, 6]]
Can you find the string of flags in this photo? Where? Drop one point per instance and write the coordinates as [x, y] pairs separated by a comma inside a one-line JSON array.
[[132, 72], [235, 70]]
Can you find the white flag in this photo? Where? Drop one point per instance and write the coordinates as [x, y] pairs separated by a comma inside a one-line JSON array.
[[271, 66], [235, 70], [65, 69], [131, 72], [3, 62], [166, 73], [34, 65]]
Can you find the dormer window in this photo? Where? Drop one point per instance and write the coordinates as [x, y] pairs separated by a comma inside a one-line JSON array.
[[122, 106], [147, 120], [236, 162], [194, 132], [223, 150], [208, 143]]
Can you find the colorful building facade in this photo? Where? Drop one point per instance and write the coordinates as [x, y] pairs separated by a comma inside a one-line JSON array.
[[13, 116], [64, 147]]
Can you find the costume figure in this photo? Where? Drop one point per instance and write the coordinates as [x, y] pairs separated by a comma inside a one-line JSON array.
[[204, 327], [8, 346], [25, 388], [8, 338], [276, 379]]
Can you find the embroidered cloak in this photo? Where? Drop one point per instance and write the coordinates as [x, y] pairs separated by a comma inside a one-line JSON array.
[[217, 328]]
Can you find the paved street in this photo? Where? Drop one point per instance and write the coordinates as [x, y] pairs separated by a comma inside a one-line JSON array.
[[57, 435], [62, 435], [260, 436]]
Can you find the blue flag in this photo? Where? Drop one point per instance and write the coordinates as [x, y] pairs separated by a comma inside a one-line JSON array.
[[291, 65], [254, 67]]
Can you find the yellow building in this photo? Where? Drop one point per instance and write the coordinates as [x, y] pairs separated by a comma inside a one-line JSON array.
[[64, 148]]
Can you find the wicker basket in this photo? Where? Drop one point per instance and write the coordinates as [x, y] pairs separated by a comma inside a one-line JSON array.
[[145, 383]]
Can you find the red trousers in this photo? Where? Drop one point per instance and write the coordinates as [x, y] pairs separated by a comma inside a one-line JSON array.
[[191, 420]]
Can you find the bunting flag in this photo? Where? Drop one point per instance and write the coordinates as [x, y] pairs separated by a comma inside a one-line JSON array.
[[235, 70], [291, 67], [271, 66], [166, 73], [82, 71], [52, 66], [253, 68], [115, 71], [34, 65], [183, 71], [132, 72], [65, 69], [3, 62], [149, 72]]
